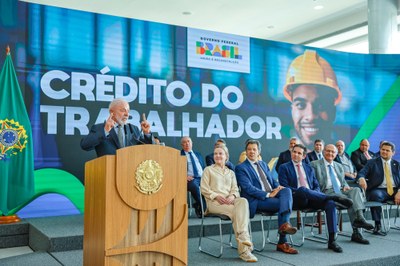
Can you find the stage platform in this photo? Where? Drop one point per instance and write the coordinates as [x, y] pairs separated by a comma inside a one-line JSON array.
[[58, 241]]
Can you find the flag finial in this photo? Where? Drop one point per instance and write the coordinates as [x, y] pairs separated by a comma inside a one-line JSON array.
[[7, 50]]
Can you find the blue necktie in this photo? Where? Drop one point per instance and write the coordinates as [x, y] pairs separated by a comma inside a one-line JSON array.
[[319, 156], [335, 184], [195, 170]]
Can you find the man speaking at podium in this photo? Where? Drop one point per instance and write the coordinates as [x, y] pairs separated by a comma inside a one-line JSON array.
[[115, 132]]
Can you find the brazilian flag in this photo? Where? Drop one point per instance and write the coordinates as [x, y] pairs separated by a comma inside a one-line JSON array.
[[16, 144]]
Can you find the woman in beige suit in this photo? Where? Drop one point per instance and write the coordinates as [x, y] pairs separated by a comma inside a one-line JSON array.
[[219, 188]]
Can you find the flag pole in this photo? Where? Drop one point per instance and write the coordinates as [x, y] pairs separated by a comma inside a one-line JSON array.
[[9, 219]]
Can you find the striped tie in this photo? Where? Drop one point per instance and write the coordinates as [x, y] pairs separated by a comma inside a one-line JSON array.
[[263, 177]]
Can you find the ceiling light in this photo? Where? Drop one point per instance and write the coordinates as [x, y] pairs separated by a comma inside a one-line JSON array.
[[318, 7]]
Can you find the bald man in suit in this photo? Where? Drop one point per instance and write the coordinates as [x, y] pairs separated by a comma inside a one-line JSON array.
[[330, 175], [361, 156]]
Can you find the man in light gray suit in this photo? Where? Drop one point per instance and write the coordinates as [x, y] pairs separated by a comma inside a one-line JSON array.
[[330, 175]]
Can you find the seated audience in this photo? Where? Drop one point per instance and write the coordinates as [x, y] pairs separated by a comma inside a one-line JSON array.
[[378, 153], [381, 179], [264, 194], [286, 156], [210, 157], [343, 158], [300, 178], [219, 188], [316, 154], [361, 156], [243, 157], [195, 166], [330, 175]]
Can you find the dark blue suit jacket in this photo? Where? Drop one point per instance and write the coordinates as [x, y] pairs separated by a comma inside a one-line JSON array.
[[251, 189], [288, 177], [374, 174], [359, 160], [210, 161], [285, 157], [312, 156], [108, 145], [199, 157]]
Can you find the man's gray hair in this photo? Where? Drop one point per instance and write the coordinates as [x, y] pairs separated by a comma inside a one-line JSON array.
[[116, 102]]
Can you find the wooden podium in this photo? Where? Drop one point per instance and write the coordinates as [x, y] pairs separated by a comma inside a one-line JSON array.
[[136, 208]]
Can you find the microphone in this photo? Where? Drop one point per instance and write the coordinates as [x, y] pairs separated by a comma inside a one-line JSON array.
[[133, 136], [138, 140]]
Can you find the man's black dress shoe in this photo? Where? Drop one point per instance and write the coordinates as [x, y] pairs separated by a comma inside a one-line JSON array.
[[362, 223], [378, 231], [345, 201], [357, 237], [197, 209], [335, 247]]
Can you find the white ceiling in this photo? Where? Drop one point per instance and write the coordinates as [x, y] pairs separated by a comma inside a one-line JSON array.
[[294, 21]]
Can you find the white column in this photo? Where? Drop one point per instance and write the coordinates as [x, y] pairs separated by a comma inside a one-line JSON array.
[[382, 27]]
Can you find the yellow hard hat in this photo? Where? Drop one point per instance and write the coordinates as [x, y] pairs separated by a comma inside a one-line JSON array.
[[310, 68]]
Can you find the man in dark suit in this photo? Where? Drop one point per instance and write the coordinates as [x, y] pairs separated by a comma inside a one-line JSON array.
[[300, 178], [361, 156], [316, 154], [264, 194], [330, 175], [210, 157], [381, 179], [195, 166], [343, 158], [116, 132], [286, 156]]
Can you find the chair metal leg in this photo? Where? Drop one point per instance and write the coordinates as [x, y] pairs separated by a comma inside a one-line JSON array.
[[385, 224], [221, 247], [314, 237], [395, 225], [384, 213], [190, 203], [301, 224], [259, 249], [340, 225], [269, 231], [264, 238]]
